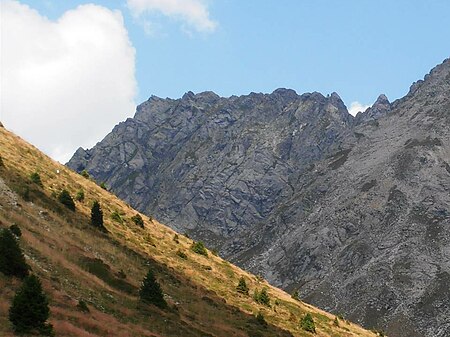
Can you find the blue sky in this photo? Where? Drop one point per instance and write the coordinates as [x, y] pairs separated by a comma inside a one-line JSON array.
[[357, 48]]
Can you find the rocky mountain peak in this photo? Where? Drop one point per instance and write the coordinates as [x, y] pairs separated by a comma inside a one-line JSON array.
[[380, 108], [437, 80]]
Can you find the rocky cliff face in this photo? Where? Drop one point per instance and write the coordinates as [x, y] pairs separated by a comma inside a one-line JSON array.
[[353, 212]]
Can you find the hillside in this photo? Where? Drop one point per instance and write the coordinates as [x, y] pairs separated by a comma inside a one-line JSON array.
[[77, 262], [351, 211]]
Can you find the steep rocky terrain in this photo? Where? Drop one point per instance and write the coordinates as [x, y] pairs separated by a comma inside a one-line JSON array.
[[353, 212]]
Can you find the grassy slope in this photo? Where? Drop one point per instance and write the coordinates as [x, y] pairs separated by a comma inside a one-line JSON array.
[[76, 262]]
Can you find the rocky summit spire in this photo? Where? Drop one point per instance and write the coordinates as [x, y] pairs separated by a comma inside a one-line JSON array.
[[380, 108]]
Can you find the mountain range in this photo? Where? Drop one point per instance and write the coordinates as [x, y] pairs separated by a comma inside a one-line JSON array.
[[353, 212]]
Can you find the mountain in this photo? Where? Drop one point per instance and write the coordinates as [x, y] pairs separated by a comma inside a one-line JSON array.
[[352, 212], [103, 269]]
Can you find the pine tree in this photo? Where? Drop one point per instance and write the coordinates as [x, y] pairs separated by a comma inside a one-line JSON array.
[[307, 323], [36, 178], [12, 261], [66, 199], [29, 310], [242, 286], [97, 215], [264, 297], [151, 292]]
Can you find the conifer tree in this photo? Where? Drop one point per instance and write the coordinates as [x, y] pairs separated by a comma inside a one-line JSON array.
[[242, 286], [264, 297], [29, 310], [97, 215], [151, 292], [12, 261]]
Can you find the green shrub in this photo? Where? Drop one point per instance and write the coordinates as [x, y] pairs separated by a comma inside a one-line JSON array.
[[66, 199], [103, 185], [103, 271], [82, 306], [29, 310], [12, 261], [199, 248], [307, 323], [15, 230], [262, 297], [115, 216], [36, 178], [295, 295], [150, 292], [85, 174], [181, 254], [242, 286], [97, 215], [79, 196], [137, 219], [261, 320]]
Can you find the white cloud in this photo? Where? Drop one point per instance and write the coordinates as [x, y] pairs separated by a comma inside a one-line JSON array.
[[65, 83], [192, 12], [356, 107]]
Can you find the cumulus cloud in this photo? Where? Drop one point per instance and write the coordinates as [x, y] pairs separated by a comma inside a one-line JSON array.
[[192, 12], [356, 107], [65, 83]]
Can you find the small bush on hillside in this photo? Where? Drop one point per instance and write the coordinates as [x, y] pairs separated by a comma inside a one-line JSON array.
[[307, 323], [181, 254], [85, 174], [262, 297], [121, 274], [176, 238], [97, 215], [36, 178], [15, 230], [66, 199], [79, 196], [199, 248], [137, 219], [150, 292], [242, 286], [115, 216], [103, 185], [261, 320], [29, 310], [336, 321], [82, 306], [12, 261], [295, 295]]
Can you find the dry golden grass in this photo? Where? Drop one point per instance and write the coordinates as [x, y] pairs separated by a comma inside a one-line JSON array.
[[56, 240]]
